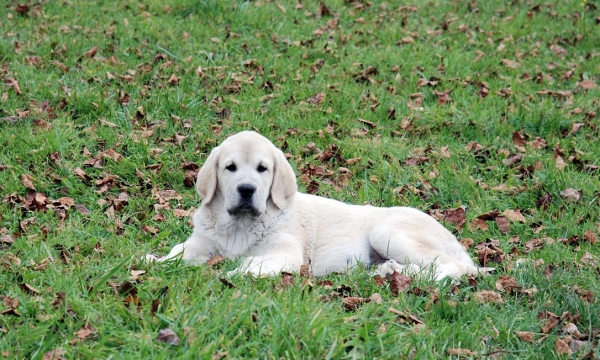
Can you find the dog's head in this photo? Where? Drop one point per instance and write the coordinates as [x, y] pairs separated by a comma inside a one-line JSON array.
[[247, 171]]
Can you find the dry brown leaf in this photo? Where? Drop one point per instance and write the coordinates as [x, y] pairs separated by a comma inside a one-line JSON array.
[[399, 282], [91, 52], [488, 296], [317, 99], [559, 163], [461, 352], [570, 194], [587, 84], [286, 279], [182, 213], [514, 215], [216, 259], [591, 237], [27, 181], [502, 223], [525, 336], [478, 224], [85, 332], [445, 152], [562, 347], [518, 139], [508, 284], [168, 336], [56, 354], [511, 64], [352, 303], [15, 85]]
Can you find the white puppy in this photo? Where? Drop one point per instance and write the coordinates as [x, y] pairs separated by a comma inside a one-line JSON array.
[[251, 208]]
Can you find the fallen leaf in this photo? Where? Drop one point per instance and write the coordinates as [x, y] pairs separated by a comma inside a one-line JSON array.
[[514, 215], [502, 223], [216, 259], [352, 303], [56, 354], [533, 244], [399, 282], [562, 347], [511, 64], [525, 336], [182, 213], [508, 284], [587, 84], [286, 280], [91, 52], [488, 296], [27, 181], [317, 99], [85, 332], [570, 194], [461, 352], [168, 336], [591, 237], [445, 152]]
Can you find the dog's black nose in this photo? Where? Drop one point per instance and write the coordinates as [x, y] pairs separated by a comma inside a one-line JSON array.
[[246, 190]]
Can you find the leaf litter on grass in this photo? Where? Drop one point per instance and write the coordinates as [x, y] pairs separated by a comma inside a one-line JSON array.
[[95, 114]]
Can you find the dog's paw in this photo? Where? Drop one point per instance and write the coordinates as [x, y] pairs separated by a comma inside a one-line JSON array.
[[387, 268], [485, 271], [149, 258]]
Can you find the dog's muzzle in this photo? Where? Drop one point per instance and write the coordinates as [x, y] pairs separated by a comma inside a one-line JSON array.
[[245, 204]]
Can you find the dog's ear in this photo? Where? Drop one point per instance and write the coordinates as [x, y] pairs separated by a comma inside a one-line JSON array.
[[206, 184], [284, 181]]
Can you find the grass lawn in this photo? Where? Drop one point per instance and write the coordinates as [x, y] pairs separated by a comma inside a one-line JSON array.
[[484, 114]]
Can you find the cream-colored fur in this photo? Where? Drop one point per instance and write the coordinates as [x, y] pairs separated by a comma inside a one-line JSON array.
[[277, 228]]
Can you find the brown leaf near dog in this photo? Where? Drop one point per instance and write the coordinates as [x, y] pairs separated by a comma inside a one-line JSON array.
[[215, 260], [305, 271], [286, 280], [478, 224], [508, 284], [399, 282]]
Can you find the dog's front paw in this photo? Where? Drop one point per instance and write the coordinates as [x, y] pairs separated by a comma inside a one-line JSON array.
[[149, 258]]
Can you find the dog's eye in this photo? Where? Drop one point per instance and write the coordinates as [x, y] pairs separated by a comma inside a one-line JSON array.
[[261, 169], [231, 167]]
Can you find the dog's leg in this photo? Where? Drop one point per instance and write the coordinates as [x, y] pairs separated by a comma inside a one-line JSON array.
[[405, 250], [389, 266], [191, 251], [269, 265]]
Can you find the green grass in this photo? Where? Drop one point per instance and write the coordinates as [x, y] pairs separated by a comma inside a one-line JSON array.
[[262, 62]]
